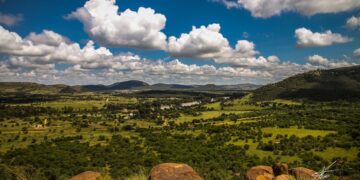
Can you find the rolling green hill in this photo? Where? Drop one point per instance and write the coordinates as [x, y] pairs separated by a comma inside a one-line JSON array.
[[142, 86], [126, 85], [328, 85], [35, 88], [31, 88]]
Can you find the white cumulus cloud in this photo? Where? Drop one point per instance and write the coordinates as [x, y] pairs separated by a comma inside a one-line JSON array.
[[37, 58], [357, 52], [269, 8], [12, 43], [10, 19], [307, 38], [206, 42], [46, 48], [203, 42], [353, 22], [245, 55], [136, 29], [47, 37], [322, 62], [90, 64]]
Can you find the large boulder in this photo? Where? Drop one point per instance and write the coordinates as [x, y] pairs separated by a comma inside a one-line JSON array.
[[302, 173], [280, 168], [87, 175], [260, 173], [284, 177], [173, 171]]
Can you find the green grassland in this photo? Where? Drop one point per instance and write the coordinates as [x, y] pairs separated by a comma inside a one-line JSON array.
[[262, 154], [299, 133], [330, 153], [241, 105], [75, 103], [78, 104], [204, 115], [92, 133], [216, 106], [287, 102], [58, 129], [296, 131], [255, 125]]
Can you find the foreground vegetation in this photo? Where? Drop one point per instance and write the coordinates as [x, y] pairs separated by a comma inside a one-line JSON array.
[[123, 136]]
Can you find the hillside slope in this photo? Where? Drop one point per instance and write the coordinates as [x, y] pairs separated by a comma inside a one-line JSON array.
[[333, 84], [35, 88], [139, 85], [31, 88], [116, 86]]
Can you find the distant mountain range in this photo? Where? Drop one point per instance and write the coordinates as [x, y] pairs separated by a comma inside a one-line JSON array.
[[332, 84], [126, 85], [139, 85], [34, 88]]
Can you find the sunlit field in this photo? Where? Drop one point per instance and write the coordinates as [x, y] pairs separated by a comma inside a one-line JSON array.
[[279, 130]]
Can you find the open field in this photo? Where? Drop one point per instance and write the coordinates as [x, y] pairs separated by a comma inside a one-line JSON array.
[[263, 154], [296, 131], [12, 136], [81, 104], [204, 115], [331, 153]]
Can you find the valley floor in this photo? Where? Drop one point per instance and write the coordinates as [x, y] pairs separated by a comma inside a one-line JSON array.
[[123, 137]]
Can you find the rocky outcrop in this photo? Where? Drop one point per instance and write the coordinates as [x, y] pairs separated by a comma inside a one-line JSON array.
[[174, 171], [284, 177], [260, 172], [280, 172], [302, 173], [87, 175]]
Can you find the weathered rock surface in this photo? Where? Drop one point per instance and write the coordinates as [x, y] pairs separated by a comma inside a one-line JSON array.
[[173, 171], [284, 177], [260, 172], [302, 173], [280, 171], [87, 175]]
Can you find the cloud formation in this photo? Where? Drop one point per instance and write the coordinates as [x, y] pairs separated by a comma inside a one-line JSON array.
[[10, 19], [88, 64], [353, 22], [307, 38], [35, 58], [208, 43], [244, 55], [11, 43], [46, 48], [357, 52], [322, 62], [137, 29], [203, 42], [47, 37], [269, 8]]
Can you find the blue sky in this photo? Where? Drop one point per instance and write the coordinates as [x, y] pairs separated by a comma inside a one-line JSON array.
[[274, 35]]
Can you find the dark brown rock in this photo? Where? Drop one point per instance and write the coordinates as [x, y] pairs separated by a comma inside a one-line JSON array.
[[173, 171], [87, 175], [302, 173], [260, 172], [280, 169]]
